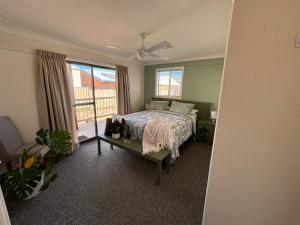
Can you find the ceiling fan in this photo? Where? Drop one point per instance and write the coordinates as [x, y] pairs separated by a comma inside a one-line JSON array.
[[144, 54]]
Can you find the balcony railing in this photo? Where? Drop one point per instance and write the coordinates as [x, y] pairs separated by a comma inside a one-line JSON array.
[[105, 107], [105, 103]]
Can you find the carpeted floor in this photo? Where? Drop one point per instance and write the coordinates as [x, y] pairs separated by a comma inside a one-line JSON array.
[[118, 188]]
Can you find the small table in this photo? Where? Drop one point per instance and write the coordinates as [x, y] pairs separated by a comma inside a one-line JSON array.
[[205, 130], [137, 148]]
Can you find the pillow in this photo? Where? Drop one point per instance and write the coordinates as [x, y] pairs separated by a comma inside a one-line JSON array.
[[148, 105], [194, 111], [159, 105], [180, 107]]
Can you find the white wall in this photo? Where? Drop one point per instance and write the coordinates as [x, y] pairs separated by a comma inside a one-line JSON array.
[[254, 175], [17, 78], [17, 91]]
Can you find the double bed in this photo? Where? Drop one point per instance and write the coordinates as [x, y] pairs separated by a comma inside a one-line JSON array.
[[184, 126]]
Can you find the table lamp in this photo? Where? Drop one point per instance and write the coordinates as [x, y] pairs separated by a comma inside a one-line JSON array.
[[213, 116]]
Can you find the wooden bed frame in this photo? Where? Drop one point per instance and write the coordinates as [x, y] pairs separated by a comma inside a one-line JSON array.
[[156, 157]]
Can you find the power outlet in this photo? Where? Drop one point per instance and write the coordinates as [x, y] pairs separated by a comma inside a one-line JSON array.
[[297, 42]]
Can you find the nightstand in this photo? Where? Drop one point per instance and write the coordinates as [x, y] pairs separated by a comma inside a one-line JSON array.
[[205, 131]]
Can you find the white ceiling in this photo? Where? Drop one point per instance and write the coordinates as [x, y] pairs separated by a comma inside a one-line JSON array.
[[197, 28]]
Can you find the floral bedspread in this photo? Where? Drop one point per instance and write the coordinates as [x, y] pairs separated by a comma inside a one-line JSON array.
[[183, 126]]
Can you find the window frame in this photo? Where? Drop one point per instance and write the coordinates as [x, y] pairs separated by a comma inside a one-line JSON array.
[[157, 70]]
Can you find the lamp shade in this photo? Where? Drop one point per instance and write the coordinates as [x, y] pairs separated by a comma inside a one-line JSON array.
[[213, 115]]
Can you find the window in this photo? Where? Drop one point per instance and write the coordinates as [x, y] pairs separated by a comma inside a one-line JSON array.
[[169, 82]]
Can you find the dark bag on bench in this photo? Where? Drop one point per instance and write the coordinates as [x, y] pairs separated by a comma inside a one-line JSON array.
[[110, 126]]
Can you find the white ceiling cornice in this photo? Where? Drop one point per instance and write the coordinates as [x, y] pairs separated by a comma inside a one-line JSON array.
[[44, 38], [213, 56]]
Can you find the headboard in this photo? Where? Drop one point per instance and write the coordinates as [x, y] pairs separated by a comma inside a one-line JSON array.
[[202, 107]]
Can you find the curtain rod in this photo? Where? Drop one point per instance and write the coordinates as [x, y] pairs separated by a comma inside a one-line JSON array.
[[88, 61], [69, 57]]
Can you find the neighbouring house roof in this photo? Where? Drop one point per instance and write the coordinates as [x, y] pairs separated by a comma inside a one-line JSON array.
[[101, 74], [103, 77]]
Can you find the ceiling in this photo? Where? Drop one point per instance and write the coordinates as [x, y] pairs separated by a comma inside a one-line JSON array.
[[197, 28]]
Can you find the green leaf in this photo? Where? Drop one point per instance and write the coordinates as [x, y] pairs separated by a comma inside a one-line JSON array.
[[20, 184], [58, 141], [42, 136]]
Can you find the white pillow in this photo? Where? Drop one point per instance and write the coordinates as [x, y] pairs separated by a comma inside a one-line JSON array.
[[181, 107], [159, 105], [194, 111]]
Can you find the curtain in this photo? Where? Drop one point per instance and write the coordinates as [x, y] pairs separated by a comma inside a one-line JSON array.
[[123, 87], [55, 102]]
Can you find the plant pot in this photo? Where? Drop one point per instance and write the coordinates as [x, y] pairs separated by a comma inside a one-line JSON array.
[[36, 190], [115, 136]]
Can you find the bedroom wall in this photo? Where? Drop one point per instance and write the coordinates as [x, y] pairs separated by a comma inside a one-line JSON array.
[[254, 173], [201, 80], [17, 78]]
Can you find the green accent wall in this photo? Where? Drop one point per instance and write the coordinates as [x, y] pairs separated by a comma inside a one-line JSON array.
[[201, 80]]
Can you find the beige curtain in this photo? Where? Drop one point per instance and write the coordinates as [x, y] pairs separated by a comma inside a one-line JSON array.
[[123, 87], [55, 105]]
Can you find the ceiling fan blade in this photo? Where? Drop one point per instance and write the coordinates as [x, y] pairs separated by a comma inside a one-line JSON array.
[[133, 57], [156, 56], [120, 49], [163, 44]]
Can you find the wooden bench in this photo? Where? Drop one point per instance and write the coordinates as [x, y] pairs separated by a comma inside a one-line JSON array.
[[136, 148]]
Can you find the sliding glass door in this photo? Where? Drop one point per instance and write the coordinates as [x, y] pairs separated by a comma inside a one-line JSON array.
[[94, 90]]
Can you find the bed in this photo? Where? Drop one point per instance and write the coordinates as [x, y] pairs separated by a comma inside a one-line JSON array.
[[184, 129], [184, 125]]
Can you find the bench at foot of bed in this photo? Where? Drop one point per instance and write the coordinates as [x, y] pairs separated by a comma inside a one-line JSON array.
[[136, 148]]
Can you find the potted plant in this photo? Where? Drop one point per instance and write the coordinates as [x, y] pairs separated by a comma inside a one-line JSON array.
[[33, 174], [115, 128]]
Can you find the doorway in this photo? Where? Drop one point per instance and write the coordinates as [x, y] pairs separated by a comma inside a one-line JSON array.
[[95, 98]]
